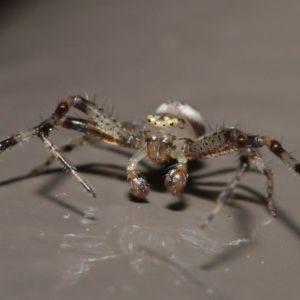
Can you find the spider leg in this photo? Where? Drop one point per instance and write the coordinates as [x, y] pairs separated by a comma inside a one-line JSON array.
[[16, 139], [276, 148], [230, 140], [241, 139], [69, 167], [76, 143], [226, 194], [267, 172], [75, 124], [100, 125]]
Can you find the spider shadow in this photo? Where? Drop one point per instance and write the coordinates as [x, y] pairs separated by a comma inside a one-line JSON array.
[[155, 176], [204, 190], [195, 188], [44, 191], [195, 185]]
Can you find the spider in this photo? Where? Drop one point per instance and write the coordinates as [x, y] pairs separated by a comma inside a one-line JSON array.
[[176, 131]]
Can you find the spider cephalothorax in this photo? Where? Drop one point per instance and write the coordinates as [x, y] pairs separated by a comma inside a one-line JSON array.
[[175, 131]]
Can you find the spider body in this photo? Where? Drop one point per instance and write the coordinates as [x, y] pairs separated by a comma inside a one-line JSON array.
[[176, 131]]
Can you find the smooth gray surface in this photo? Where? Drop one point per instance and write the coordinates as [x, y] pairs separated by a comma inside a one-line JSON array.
[[237, 61]]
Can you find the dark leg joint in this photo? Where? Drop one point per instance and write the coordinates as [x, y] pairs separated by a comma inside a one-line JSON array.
[[45, 128], [255, 141], [62, 108], [275, 147], [244, 162], [5, 144], [297, 168], [81, 104]]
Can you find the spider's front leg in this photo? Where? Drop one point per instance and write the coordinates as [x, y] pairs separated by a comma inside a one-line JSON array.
[[100, 125], [42, 131], [262, 166]]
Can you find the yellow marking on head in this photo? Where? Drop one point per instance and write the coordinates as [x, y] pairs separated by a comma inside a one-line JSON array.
[[162, 121]]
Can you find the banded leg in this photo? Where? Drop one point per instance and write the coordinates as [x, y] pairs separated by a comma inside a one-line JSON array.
[[241, 139], [226, 194], [91, 131], [276, 148], [42, 131], [17, 139], [229, 140], [99, 124], [111, 130]]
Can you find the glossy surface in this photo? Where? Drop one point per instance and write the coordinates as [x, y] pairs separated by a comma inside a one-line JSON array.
[[236, 62]]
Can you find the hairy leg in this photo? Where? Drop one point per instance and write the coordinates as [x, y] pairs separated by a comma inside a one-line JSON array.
[[76, 143], [229, 140], [226, 194], [99, 124], [267, 172]]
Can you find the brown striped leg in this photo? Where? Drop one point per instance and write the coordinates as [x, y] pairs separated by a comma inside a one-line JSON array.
[[229, 140], [100, 124], [241, 139], [16, 139], [278, 150], [109, 127], [87, 127]]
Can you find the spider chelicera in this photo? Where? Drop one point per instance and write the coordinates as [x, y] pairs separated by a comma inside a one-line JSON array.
[[176, 131]]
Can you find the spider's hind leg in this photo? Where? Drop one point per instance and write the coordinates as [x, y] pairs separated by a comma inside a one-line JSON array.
[[267, 172], [226, 194]]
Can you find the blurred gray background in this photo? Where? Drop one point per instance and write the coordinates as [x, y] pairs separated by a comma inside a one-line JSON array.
[[237, 61]]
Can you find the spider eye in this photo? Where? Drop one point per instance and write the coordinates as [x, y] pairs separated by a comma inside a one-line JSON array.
[[173, 122], [150, 119]]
